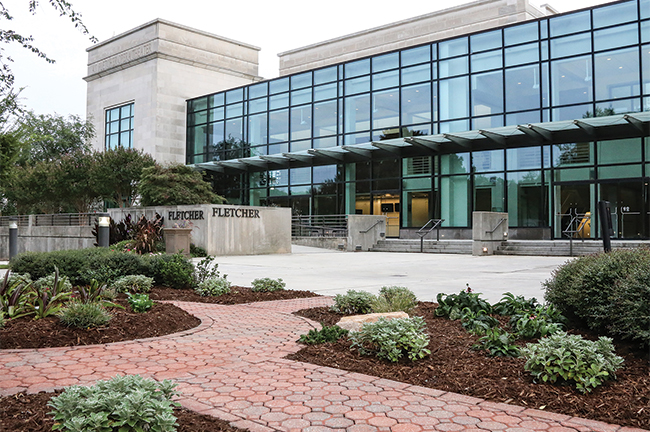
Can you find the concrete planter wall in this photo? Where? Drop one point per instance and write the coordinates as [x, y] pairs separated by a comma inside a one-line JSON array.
[[177, 240]]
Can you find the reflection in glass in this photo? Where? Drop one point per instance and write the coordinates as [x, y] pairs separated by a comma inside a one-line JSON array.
[[571, 45], [489, 193], [527, 199], [490, 160], [523, 88], [278, 126], [487, 93], [357, 113], [520, 33], [416, 104], [572, 154], [325, 118], [454, 98], [570, 23], [616, 37], [385, 109], [524, 158], [617, 74], [301, 123], [454, 197], [257, 129], [615, 14], [571, 80]]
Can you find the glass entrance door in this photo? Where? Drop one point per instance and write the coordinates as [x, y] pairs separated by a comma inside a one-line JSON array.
[[388, 204], [627, 203], [574, 207]]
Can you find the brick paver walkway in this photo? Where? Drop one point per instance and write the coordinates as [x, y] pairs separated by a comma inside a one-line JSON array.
[[232, 367]]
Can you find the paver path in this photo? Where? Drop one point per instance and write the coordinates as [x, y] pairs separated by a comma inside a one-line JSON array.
[[231, 366]]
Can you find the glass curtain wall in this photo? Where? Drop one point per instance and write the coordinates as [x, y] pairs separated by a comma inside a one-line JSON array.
[[588, 63]]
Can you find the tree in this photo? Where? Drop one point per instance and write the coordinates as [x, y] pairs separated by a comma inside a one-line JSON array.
[[175, 185], [118, 174], [48, 137], [10, 36]]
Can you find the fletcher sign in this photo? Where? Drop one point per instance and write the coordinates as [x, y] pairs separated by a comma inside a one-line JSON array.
[[186, 215], [235, 212]]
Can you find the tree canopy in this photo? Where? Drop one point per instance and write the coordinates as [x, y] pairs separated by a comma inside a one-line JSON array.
[[175, 185]]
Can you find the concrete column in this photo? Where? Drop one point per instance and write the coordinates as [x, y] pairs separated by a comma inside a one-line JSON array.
[[489, 229]]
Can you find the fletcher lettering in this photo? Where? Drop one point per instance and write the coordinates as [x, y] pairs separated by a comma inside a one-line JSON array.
[[186, 215], [235, 212]]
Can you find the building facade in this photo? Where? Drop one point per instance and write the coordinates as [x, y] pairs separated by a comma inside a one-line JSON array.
[[540, 119]]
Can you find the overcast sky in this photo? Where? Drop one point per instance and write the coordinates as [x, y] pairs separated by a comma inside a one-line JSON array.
[[274, 26]]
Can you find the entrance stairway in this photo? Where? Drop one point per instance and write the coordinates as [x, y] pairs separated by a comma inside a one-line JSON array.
[[510, 247]]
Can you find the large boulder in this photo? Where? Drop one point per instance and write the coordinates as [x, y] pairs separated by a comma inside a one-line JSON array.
[[355, 322]]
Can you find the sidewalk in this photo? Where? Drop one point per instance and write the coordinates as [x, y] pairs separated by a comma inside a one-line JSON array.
[[232, 367]]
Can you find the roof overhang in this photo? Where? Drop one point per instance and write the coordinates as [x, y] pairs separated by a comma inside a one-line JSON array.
[[588, 129]]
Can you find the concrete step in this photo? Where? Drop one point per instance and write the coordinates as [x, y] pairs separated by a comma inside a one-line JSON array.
[[429, 246]]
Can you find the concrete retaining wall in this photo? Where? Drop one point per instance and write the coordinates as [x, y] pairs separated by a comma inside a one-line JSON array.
[[47, 238]]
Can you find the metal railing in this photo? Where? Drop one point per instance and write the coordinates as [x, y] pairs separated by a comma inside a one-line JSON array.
[[319, 226], [377, 222], [577, 225], [502, 220], [435, 224], [58, 219]]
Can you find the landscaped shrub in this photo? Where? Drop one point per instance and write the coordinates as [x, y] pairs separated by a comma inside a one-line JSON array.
[[394, 299], [325, 334], [268, 285], [570, 358], [205, 270], [140, 303], [132, 284], [353, 302], [391, 339], [609, 292], [538, 322], [14, 297], [124, 403], [197, 251], [511, 304], [498, 343], [451, 306], [174, 271], [49, 296], [477, 323], [47, 282], [2, 319], [84, 315], [213, 287]]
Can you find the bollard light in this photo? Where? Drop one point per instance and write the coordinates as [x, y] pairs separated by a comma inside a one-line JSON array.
[[13, 224], [13, 236], [103, 222]]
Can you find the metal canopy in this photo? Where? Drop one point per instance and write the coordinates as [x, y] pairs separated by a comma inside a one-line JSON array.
[[567, 131]]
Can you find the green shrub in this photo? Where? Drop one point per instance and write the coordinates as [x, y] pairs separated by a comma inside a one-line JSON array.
[[394, 299], [2, 319], [140, 303], [477, 323], [47, 282], [14, 297], [174, 271], [538, 322], [353, 302], [49, 296], [133, 284], [204, 270], [608, 292], [213, 287], [17, 278], [324, 335], [570, 358], [511, 304], [124, 403], [197, 251], [268, 285], [391, 339], [84, 315], [498, 343], [451, 306]]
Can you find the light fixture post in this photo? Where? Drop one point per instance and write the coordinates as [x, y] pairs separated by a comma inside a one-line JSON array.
[[13, 237], [104, 221]]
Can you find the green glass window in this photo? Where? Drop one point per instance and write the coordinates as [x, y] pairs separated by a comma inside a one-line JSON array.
[[325, 118], [119, 126], [454, 197], [527, 199], [619, 151]]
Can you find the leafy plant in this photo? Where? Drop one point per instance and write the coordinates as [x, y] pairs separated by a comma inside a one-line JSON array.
[[353, 302], [394, 299], [95, 293], [84, 315], [123, 403], [608, 292], [511, 304], [391, 339], [477, 323], [140, 303], [174, 271], [197, 251], [133, 284], [49, 298], [2, 319], [536, 323], [570, 358], [49, 281], [213, 287], [147, 234], [498, 343], [205, 270], [451, 306], [325, 334], [268, 285], [14, 294]]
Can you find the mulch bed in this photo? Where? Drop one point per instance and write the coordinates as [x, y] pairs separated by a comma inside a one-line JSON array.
[[28, 413], [237, 295], [454, 366]]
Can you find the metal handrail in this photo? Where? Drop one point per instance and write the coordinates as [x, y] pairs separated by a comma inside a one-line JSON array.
[[436, 224], [502, 220], [570, 232], [377, 222]]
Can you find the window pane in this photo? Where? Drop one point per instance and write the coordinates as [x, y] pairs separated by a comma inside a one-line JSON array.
[[279, 85], [523, 118], [327, 91], [615, 14], [234, 129], [573, 112], [301, 123], [454, 98], [257, 105], [257, 129], [619, 151], [616, 37], [279, 101], [485, 61], [416, 104], [520, 33], [522, 54], [236, 95], [385, 62], [617, 74], [454, 195], [491, 160], [416, 55], [217, 100], [217, 114], [454, 126], [454, 163], [325, 118], [645, 54], [572, 154], [278, 126], [301, 96], [524, 158], [360, 67], [645, 8], [258, 90], [457, 66], [357, 85], [527, 199], [571, 81], [570, 45], [487, 93], [357, 113], [485, 41], [571, 23], [645, 31], [301, 81], [489, 193], [416, 74], [385, 80], [325, 75], [522, 88], [453, 47], [235, 110], [385, 109], [487, 122]]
